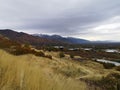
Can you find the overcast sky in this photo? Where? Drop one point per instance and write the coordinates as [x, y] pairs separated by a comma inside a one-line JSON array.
[[89, 19]]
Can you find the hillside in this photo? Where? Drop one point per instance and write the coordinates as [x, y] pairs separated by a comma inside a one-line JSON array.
[[25, 38], [28, 72], [34, 73], [17, 49], [6, 42]]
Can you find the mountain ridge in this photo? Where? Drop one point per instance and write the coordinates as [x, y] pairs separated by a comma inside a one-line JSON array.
[[65, 39], [39, 40], [25, 38]]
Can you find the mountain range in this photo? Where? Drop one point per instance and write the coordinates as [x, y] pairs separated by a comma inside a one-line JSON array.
[[39, 39], [70, 40], [24, 38]]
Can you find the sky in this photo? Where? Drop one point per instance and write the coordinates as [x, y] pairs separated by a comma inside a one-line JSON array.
[[88, 19]]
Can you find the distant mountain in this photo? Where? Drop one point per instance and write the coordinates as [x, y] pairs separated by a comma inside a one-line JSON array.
[[25, 38], [39, 40], [70, 40]]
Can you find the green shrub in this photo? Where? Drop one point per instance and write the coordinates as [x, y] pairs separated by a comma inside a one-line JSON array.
[[71, 56], [61, 55], [108, 65]]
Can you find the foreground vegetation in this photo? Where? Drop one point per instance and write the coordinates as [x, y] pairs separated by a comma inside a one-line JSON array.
[[29, 72]]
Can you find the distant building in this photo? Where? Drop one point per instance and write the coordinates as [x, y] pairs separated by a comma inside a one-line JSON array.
[[59, 47]]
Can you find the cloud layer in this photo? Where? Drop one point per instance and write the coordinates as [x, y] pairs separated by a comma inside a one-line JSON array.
[[90, 19]]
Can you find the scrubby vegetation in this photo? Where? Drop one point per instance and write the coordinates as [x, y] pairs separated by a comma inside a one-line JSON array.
[[117, 68], [48, 56], [61, 55], [29, 72], [71, 56], [107, 65], [71, 71], [109, 82]]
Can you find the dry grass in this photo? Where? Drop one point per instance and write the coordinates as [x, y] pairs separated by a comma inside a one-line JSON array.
[[85, 69], [29, 72]]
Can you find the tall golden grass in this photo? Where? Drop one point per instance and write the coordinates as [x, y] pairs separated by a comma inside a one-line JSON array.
[[26, 73]]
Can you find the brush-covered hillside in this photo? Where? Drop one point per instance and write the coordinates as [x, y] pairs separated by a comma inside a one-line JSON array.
[[30, 72], [24, 38]]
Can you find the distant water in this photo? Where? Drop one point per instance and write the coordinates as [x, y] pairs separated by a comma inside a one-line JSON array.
[[111, 50], [107, 61]]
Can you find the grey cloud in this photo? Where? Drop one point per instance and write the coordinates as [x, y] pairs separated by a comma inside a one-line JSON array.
[[65, 17]]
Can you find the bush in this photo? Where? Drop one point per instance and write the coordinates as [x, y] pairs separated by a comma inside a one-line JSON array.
[[40, 54], [71, 56], [21, 51], [61, 55], [118, 68], [48, 56], [108, 65], [109, 82]]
